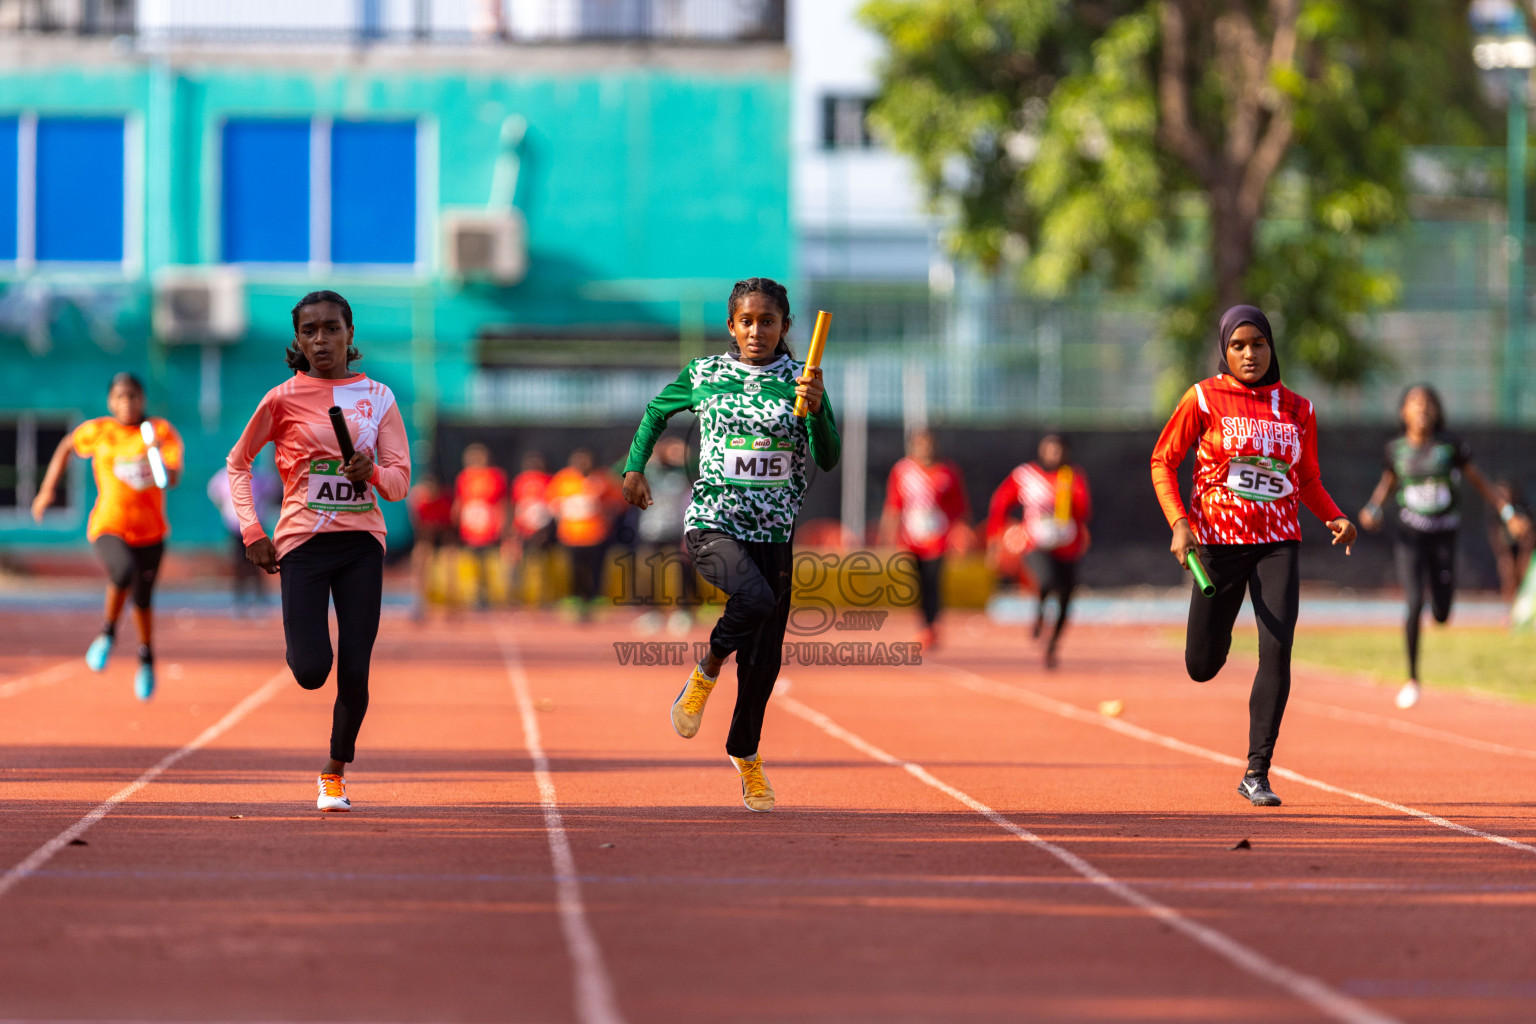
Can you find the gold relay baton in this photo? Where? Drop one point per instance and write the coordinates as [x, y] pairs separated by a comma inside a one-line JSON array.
[[813, 357]]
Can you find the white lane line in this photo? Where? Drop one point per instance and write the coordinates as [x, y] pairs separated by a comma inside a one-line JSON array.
[[981, 684], [45, 677], [595, 1003], [1303, 987], [1410, 728], [37, 858]]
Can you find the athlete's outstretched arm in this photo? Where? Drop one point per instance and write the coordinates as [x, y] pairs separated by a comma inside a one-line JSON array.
[[1309, 485], [1180, 434], [258, 546], [674, 398], [391, 475], [47, 490]]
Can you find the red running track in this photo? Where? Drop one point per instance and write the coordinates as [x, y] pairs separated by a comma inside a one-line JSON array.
[[966, 840]]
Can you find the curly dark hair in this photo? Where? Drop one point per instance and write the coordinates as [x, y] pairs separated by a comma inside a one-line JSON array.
[[775, 291], [296, 359]]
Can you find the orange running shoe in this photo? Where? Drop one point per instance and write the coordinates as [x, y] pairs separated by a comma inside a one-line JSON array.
[[333, 794]]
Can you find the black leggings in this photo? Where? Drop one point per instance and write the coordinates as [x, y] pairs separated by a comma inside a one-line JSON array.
[[1270, 574], [587, 569], [347, 567], [930, 572], [1055, 576], [131, 568], [756, 576], [1425, 558]]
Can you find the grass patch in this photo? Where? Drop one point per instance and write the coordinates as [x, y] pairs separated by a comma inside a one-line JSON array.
[[1490, 659]]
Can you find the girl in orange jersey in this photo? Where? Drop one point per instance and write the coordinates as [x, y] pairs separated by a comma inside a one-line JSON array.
[[1256, 461], [127, 525], [329, 541]]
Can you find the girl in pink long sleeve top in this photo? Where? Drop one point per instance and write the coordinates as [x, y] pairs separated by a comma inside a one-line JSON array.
[[329, 541]]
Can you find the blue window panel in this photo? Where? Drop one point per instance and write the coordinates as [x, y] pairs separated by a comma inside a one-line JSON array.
[[373, 192], [7, 188], [265, 199], [80, 189]]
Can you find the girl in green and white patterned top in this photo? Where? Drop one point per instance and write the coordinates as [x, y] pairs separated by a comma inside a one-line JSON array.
[[740, 522], [1424, 467]]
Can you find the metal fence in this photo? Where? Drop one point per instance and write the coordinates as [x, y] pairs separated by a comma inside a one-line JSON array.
[[368, 22]]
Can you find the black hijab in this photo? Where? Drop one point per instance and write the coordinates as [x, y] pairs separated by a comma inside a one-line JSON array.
[[1231, 320]]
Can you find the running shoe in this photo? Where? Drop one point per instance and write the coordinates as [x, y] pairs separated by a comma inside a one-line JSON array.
[[144, 680], [756, 793], [1408, 696], [333, 794], [96, 654], [1255, 789], [688, 708]]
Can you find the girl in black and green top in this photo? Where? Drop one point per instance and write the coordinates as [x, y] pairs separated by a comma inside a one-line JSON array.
[[739, 525], [1425, 467]]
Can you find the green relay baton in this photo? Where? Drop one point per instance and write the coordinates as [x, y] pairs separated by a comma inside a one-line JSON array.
[[1198, 572]]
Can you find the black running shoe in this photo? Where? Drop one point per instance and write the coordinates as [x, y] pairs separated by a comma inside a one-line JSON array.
[[1255, 789]]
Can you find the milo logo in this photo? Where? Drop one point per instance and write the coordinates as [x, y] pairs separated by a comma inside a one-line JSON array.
[[762, 444]]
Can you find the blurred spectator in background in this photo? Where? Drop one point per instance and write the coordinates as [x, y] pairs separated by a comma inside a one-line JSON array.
[[431, 510], [246, 578], [585, 500], [924, 503], [532, 525], [661, 537], [1513, 554], [1052, 502], [480, 508]]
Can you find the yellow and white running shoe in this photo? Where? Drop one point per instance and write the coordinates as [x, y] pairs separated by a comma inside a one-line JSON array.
[[688, 709], [756, 793], [333, 794]]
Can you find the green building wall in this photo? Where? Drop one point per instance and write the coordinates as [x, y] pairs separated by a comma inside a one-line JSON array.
[[636, 184]]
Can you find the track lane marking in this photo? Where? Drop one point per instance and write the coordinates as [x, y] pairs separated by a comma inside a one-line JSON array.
[[595, 1002], [1344, 714], [1302, 987], [43, 677], [37, 858], [981, 684]]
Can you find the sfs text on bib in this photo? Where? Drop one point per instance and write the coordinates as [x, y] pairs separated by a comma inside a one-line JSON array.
[[329, 491], [1258, 478]]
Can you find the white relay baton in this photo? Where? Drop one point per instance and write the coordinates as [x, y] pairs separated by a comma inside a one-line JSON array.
[[156, 463]]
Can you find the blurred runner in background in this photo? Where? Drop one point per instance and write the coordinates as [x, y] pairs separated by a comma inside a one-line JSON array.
[[585, 501], [127, 525], [247, 584], [661, 538], [480, 508], [431, 511], [924, 502]]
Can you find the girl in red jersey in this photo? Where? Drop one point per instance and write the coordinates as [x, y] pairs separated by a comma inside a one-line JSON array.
[[329, 541], [1256, 460], [924, 502], [1052, 497]]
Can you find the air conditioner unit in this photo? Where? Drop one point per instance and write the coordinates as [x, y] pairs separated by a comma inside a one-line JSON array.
[[199, 305], [486, 245]]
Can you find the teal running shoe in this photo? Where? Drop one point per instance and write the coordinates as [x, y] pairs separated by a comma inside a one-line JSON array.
[[96, 654], [144, 681]]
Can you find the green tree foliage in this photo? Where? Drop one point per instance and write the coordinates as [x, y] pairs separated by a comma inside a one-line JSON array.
[[1210, 151]]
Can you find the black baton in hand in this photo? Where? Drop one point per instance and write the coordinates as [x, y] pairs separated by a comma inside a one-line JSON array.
[[343, 435]]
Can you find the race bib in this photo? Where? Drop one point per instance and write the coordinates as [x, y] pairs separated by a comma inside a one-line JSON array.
[[329, 491], [924, 523], [579, 506], [1050, 533], [134, 471], [757, 461], [1428, 497], [1258, 478]]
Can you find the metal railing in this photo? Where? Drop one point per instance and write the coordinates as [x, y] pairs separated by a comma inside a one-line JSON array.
[[368, 22]]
